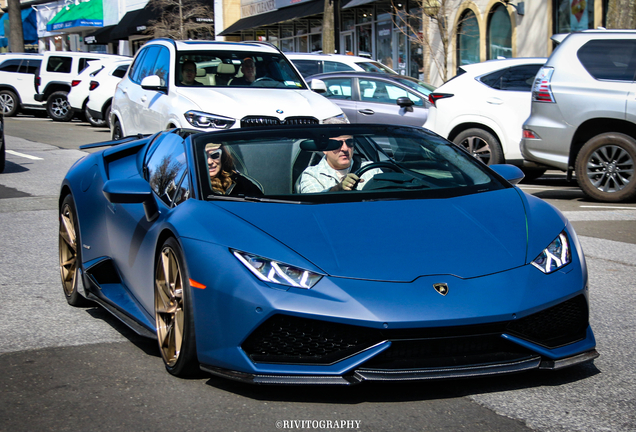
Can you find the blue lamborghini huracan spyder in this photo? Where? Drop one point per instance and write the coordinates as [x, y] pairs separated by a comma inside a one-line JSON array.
[[435, 266]]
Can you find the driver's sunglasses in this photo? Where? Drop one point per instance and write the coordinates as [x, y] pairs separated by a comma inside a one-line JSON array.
[[215, 154], [339, 142]]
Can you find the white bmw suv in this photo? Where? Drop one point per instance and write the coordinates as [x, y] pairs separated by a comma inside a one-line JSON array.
[[216, 94]]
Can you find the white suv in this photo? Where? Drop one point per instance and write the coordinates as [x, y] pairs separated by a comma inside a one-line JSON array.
[[53, 79], [16, 82], [102, 88], [153, 97], [583, 115]]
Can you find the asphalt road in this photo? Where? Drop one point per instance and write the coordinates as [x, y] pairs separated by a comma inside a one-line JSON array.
[[76, 369]]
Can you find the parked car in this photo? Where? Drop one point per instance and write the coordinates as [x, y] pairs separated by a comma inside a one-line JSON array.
[[16, 82], [53, 79], [267, 287], [367, 97], [312, 64], [483, 107], [3, 150], [92, 91], [583, 116], [152, 97]]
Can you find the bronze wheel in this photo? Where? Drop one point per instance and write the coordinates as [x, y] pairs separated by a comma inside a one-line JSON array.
[[69, 253], [175, 328]]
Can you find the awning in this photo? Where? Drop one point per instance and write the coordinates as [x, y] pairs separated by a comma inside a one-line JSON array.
[[273, 17], [100, 37], [29, 26], [76, 17], [354, 3], [134, 22]]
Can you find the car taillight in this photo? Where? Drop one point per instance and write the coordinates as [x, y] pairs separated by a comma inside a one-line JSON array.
[[541, 91], [528, 134], [93, 85], [75, 82], [434, 97]]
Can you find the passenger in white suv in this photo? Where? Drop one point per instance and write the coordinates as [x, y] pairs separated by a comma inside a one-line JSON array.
[[152, 97]]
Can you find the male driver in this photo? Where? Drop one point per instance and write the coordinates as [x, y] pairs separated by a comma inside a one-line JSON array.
[[333, 174], [249, 73], [188, 73]]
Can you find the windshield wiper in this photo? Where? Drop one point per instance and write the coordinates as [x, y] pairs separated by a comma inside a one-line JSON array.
[[251, 198]]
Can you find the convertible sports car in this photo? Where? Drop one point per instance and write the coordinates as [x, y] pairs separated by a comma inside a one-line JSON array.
[[436, 266]]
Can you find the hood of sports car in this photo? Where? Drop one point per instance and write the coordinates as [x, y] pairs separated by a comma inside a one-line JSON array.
[[467, 236], [239, 102]]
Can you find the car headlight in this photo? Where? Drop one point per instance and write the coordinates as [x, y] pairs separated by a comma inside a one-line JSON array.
[[208, 121], [276, 272], [339, 119], [557, 255]]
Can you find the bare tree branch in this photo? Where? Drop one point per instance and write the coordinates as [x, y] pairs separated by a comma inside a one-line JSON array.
[[178, 19]]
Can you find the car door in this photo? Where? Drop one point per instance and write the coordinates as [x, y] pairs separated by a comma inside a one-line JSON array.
[[378, 104], [130, 234], [508, 101], [340, 90], [135, 98], [24, 80]]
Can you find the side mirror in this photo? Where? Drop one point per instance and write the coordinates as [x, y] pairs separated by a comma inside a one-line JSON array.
[[318, 86], [509, 172], [405, 102], [132, 192], [153, 82]]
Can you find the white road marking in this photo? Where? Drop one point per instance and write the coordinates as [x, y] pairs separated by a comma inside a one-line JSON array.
[[15, 153], [609, 207]]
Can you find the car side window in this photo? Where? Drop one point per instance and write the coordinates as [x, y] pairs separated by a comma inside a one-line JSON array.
[[59, 64], [385, 92], [519, 78], [308, 67], [162, 65], [330, 66], [146, 68], [11, 65], [83, 63], [166, 171], [135, 68], [30, 66], [120, 71], [609, 59], [338, 88]]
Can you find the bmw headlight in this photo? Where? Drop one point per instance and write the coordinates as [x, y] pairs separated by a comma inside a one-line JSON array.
[[208, 121], [557, 255], [276, 272], [339, 119]]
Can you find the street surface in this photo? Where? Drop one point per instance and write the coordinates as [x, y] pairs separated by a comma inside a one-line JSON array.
[[75, 369]]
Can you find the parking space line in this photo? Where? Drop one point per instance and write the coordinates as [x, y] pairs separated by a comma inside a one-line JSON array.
[[608, 207], [15, 153]]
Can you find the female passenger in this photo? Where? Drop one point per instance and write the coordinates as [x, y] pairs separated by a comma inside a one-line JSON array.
[[224, 178]]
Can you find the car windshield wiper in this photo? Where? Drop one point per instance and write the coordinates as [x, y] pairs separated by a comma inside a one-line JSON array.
[[251, 198]]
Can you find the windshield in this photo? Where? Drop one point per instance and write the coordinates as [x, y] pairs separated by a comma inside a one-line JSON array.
[[306, 165], [238, 69], [416, 85]]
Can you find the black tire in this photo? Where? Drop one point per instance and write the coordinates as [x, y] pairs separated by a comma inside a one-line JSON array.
[[605, 167], [107, 116], [93, 121], [70, 253], [173, 305], [58, 108], [482, 145], [9, 103], [116, 132]]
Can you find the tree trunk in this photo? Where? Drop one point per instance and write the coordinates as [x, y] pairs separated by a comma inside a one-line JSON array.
[[328, 41], [16, 36], [621, 14]]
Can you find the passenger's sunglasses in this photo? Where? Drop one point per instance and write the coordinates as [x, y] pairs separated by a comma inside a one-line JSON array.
[[215, 154], [339, 142]]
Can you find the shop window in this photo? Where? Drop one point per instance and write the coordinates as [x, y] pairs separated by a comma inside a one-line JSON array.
[[384, 42], [467, 39], [347, 19], [573, 15], [499, 33], [364, 15]]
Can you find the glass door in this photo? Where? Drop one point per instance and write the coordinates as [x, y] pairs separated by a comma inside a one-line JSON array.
[[346, 43]]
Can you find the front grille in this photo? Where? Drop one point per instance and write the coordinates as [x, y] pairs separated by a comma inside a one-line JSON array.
[[253, 121], [294, 340], [556, 326]]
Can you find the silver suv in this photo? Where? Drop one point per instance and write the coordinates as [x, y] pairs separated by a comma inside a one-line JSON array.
[[583, 116]]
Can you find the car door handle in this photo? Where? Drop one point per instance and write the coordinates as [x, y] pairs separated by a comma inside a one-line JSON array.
[[494, 101], [366, 111], [144, 98], [124, 90]]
